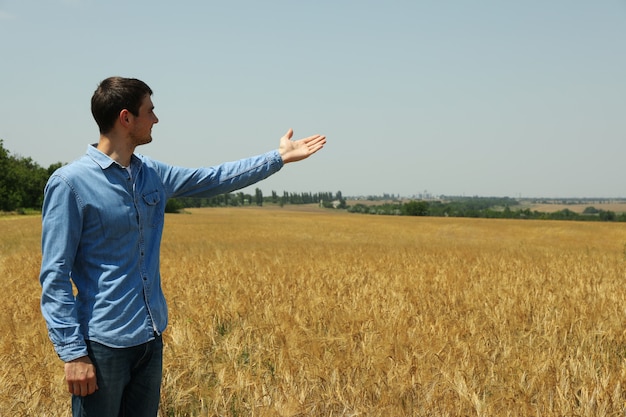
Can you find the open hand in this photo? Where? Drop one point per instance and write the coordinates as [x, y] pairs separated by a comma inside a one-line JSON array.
[[297, 150]]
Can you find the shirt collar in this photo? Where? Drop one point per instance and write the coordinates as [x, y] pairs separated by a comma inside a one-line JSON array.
[[104, 160]]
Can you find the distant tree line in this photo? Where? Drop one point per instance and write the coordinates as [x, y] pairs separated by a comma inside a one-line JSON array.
[[481, 207], [237, 199]]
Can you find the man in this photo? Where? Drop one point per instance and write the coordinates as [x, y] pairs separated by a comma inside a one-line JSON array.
[[102, 225]]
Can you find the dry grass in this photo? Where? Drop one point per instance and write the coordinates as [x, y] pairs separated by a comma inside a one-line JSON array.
[[292, 313]]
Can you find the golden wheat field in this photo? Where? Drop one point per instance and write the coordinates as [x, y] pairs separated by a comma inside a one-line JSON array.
[[282, 312]]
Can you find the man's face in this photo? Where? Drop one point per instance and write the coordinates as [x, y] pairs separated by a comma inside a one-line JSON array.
[[141, 128]]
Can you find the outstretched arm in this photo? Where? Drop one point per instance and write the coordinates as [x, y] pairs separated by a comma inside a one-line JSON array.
[[297, 150]]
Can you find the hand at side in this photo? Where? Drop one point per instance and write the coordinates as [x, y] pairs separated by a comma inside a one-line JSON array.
[[80, 375]]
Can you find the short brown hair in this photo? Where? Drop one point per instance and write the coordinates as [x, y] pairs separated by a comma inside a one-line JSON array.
[[115, 94]]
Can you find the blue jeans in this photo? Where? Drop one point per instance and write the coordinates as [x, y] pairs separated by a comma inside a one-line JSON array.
[[129, 381]]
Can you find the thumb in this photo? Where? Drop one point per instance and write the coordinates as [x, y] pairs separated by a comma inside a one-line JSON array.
[[289, 134]]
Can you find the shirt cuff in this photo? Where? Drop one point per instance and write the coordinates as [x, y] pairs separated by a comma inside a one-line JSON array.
[[68, 353]]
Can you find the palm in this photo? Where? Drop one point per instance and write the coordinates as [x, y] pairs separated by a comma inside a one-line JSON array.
[[296, 150]]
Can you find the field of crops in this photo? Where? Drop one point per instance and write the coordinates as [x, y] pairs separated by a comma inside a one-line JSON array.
[[280, 312]]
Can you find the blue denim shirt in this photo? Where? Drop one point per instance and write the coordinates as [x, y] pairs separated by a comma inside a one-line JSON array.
[[102, 231]]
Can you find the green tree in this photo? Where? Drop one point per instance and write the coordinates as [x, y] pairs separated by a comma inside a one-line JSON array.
[[21, 181], [173, 205], [607, 216], [415, 208]]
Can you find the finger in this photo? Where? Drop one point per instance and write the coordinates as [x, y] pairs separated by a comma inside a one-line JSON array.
[[86, 389], [314, 138], [91, 388], [82, 389], [320, 138], [316, 141], [289, 133]]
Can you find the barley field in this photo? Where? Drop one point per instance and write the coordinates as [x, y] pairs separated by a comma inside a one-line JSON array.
[[284, 312]]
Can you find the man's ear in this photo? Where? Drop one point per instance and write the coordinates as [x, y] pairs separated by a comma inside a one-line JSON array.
[[125, 118]]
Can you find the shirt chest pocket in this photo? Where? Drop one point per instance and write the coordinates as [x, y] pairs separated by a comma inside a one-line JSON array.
[[152, 208]]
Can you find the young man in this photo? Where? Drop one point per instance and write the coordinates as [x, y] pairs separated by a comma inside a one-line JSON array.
[[102, 225]]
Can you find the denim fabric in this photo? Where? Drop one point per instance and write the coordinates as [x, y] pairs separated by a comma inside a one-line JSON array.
[[129, 381], [102, 232]]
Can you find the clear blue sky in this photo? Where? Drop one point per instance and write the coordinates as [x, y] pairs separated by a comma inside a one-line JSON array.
[[489, 98]]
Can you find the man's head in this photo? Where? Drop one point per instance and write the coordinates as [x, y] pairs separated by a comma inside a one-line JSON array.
[[114, 95]]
